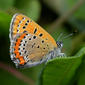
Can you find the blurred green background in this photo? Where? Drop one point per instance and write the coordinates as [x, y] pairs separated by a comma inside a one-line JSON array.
[[56, 16]]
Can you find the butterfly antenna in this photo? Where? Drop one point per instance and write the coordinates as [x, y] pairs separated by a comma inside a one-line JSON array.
[[59, 36], [68, 36]]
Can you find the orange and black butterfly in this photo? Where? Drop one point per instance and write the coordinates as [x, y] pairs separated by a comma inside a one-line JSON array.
[[30, 43]]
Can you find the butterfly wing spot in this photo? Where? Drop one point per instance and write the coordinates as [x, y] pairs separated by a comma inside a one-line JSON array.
[[25, 41], [25, 51], [18, 25], [43, 48], [41, 35], [38, 46], [42, 41], [24, 27], [24, 37], [23, 48], [29, 38], [35, 30], [24, 31], [17, 30], [23, 18], [20, 21], [18, 48], [23, 44], [20, 53], [26, 58], [26, 23], [34, 37]]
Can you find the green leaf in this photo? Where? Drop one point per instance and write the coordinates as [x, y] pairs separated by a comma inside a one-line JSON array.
[[4, 22], [59, 71]]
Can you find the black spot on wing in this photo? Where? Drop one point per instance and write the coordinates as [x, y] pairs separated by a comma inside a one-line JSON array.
[[41, 35], [42, 41], [24, 27], [28, 21], [23, 48], [25, 52], [29, 38], [25, 31], [43, 48], [34, 37], [38, 46], [35, 30], [26, 24]]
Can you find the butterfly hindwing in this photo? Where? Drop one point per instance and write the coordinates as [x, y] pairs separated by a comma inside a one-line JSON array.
[[29, 48]]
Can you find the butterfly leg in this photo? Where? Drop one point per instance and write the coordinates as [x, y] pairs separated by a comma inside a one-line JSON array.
[[61, 55]]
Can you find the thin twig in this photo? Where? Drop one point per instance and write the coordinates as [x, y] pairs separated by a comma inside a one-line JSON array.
[[65, 16], [16, 73]]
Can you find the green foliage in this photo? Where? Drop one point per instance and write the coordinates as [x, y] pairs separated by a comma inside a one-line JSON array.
[[4, 23], [59, 71]]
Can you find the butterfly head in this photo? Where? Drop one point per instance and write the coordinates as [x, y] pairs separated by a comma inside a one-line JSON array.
[[59, 44]]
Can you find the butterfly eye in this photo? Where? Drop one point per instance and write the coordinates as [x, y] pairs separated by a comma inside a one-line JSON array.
[[60, 44]]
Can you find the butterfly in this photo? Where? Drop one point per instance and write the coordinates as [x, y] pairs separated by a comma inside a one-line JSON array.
[[30, 44]]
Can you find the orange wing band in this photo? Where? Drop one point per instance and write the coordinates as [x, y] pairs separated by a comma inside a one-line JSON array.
[[16, 51]]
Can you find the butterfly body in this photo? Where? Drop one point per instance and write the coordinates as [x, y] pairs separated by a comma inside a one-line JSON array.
[[30, 43]]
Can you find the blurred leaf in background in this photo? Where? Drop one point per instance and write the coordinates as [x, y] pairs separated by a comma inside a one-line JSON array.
[[31, 8]]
